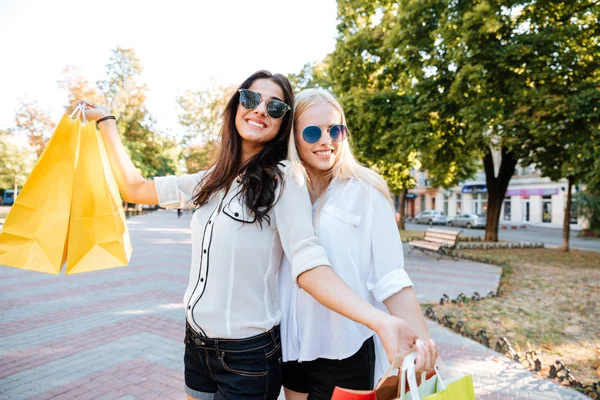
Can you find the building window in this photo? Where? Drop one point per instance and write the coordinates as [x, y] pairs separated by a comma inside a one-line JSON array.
[[446, 198], [480, 203], [573, 212], [547, 209], [433, 203], [526, 209], [458, 203], [422, 202], [507, 208]]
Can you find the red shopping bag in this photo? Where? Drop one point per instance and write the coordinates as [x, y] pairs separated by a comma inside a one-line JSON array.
[[388, 387]]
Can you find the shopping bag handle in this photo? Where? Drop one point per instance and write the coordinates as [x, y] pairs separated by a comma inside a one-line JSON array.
[[408, 373], [80, 111], [396, 364]]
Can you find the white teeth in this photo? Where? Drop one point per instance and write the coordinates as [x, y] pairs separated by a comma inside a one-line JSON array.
[[256, 124], [323, 152]]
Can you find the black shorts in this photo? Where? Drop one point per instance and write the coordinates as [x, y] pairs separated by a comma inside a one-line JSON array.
[[318, 378]]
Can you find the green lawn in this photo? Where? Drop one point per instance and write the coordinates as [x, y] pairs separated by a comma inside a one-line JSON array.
[[549, 301]]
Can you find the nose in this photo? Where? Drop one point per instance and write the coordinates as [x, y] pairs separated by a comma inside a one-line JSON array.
[[325, 138], [261, 109]]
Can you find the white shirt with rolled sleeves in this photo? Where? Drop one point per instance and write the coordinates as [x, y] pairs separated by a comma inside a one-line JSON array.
[[356, 226], [233, 286]]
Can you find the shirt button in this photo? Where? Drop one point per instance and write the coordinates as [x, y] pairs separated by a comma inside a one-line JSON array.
[[201, 279], [238, 181], [237, 214], [189, 307], [209, 222], [204, 251]]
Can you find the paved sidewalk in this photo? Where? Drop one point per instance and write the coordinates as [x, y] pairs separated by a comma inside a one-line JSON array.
[[118, 334]]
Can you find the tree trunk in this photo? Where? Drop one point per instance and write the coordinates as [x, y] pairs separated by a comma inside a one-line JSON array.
[[496, 187], [567, 219], [401, 210]]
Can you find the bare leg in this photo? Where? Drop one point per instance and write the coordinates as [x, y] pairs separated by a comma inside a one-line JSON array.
[[291, 395]]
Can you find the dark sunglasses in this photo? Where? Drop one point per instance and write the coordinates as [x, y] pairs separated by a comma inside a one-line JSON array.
[[250, 100], [311, 134]]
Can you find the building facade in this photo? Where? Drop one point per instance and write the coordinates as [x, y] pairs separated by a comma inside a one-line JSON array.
[[530, 199]]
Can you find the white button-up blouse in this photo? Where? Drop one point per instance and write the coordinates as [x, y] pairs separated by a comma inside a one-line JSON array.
[[356, 226], [232, 291]]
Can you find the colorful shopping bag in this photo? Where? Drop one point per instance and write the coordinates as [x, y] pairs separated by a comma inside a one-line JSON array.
[[34, 234], [98, 234], [397, 387]]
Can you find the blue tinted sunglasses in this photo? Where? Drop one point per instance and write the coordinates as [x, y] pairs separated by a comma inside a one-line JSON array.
[[311, 134]]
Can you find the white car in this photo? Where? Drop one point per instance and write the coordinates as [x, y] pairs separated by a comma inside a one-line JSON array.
[[467, 220], [431, 217]]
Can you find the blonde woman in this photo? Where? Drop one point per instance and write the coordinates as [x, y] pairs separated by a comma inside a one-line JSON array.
[[354, 220]]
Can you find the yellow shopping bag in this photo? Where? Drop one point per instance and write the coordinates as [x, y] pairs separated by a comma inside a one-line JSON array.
[[434, 388], [34, 234], [394, 387], [98, 234]]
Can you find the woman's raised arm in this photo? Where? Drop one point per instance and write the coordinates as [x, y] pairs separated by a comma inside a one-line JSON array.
[[132, 185]]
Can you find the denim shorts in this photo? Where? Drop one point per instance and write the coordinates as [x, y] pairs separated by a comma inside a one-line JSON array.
[[233, 368]]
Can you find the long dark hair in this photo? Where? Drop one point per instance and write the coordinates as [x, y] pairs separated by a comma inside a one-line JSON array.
[[260, 173]]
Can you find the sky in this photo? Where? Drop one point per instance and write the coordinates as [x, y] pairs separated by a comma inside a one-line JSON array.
[[181, 45]]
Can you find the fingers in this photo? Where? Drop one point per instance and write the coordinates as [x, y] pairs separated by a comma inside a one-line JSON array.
[[421, 357], [427, 355], [88, 104], [434, 352]]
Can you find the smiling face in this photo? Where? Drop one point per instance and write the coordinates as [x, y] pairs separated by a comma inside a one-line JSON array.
[[321, 156], [254, 126]]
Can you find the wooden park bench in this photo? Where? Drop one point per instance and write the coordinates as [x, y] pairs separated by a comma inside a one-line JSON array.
[[440, 241]]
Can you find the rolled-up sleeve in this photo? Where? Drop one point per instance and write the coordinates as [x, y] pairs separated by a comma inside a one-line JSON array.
[[177, 191], [293, 217], [387, 275]]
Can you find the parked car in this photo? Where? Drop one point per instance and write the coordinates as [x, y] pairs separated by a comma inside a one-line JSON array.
[[467, 220], [431, 217], [8, 198]]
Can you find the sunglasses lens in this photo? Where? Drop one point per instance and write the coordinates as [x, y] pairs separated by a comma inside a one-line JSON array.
[[338, 132], [311, 134], [276, 109], [249, 99]]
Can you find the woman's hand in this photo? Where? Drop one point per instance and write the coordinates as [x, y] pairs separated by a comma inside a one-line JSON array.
[[427, 354], [396, 336], [93, 111]]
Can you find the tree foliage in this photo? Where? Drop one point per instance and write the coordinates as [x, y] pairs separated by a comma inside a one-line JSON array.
[[35, 123], [77, 88], [18, 158], [473, 77], [125, 94], [201, 111], [199, 157]]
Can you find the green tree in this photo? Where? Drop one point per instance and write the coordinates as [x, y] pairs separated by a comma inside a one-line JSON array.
[[468, 65], [389, 120], [18, 158], [125, 93], [199, 157], [312, 75], [561, 103], [201, 111]]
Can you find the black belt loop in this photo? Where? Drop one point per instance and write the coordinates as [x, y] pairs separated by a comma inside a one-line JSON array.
[[272, 332], [217, 349]]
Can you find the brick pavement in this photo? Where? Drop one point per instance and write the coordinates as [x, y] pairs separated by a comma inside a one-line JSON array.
[[117, 334]]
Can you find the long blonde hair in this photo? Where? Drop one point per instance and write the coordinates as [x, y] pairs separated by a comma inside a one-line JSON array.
[[346, 166]]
